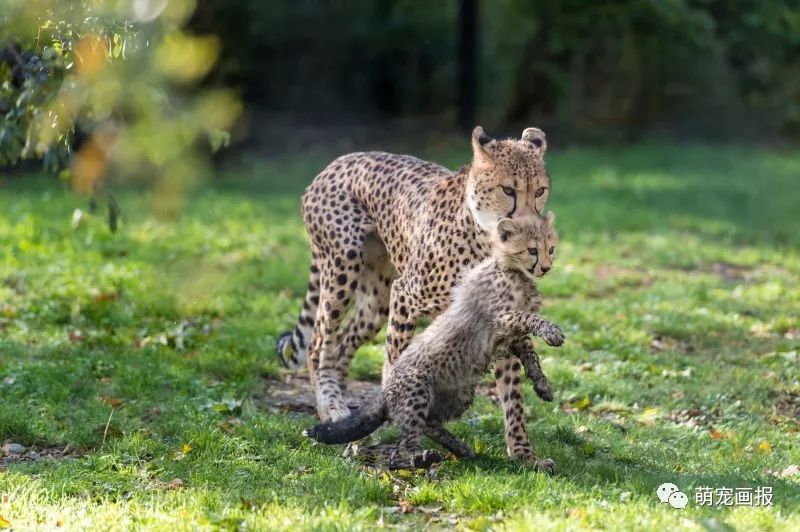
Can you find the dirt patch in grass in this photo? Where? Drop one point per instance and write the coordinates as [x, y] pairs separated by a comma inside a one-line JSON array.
[[292, 393], [789, 406], [35, 453], [726, 271]]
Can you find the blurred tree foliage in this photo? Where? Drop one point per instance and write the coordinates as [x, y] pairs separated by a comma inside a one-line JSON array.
[[125, 88], [584, 67], [104, 90]]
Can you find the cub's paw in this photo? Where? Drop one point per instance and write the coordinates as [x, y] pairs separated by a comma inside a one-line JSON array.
[[542, 388], [426, 459], [552, 335], [464, 451], [403, 459]]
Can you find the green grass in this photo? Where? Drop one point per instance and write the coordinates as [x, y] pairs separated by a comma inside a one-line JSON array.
[[676, 284]]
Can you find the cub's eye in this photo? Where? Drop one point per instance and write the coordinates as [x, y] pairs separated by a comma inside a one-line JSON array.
[[552, 250], [509, 191], [540, 191], [533, 251]]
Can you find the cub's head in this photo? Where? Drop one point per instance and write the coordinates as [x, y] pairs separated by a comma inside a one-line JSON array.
[[507, 178], [527, 244]]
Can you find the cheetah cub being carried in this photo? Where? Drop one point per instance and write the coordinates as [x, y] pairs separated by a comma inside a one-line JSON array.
[[435, 378]]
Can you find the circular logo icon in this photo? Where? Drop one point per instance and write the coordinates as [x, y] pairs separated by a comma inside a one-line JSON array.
[[665, 490], [678, 500]]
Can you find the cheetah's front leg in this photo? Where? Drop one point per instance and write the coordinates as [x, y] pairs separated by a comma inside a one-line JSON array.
[[403, 316], [525, 351], [507, 376], [517, 322]]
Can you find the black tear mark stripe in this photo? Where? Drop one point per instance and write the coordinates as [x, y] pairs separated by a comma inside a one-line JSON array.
[[513, 210]]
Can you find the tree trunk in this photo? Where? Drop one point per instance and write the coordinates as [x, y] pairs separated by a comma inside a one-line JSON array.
[[467, 67]]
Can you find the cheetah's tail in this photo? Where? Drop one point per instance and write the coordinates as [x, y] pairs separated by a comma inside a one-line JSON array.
[[357, 425], [292, 346], [289, 356]]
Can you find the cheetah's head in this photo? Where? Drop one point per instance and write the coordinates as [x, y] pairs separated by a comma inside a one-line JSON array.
[[507, 178], [527, 244]]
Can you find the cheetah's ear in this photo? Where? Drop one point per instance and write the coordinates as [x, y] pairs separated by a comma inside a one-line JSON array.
[[479, 141], [536, 136], [551, 219], [506, 228]]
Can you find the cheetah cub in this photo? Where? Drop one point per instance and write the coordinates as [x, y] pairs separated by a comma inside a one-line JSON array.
[[435, 378]]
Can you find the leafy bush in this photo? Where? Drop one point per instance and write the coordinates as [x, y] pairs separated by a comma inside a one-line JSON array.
[[103, 91]]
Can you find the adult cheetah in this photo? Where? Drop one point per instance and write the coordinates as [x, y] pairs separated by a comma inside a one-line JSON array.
[[434, 380], [391, 235]]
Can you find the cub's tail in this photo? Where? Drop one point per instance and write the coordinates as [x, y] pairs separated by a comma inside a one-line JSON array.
[[357, 425]]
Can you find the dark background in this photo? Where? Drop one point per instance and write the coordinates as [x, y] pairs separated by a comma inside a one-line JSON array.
[[582, 70]]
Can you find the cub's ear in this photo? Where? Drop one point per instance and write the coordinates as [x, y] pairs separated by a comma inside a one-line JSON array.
[[479, 142], [506, 228], [551, 219], [536, 136]]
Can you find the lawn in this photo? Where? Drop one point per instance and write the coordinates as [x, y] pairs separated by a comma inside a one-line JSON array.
[[135, 368]]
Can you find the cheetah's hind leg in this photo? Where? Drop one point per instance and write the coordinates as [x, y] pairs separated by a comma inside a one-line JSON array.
[[393, 456], [449, 441]]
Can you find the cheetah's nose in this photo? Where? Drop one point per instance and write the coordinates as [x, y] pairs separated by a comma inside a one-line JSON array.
[[545, 269]]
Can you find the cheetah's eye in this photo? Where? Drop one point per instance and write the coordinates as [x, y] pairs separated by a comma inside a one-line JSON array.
[[533, 251], [552, 250], [509, 191], [540, 191]]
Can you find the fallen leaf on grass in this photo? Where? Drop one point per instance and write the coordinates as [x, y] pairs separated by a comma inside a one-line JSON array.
[[649, 416], [4, 523], [76, 336], [104, 297], [576, 405], [113, 402], [404, 473], [717, 435], [225, 406], [478, 445]]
